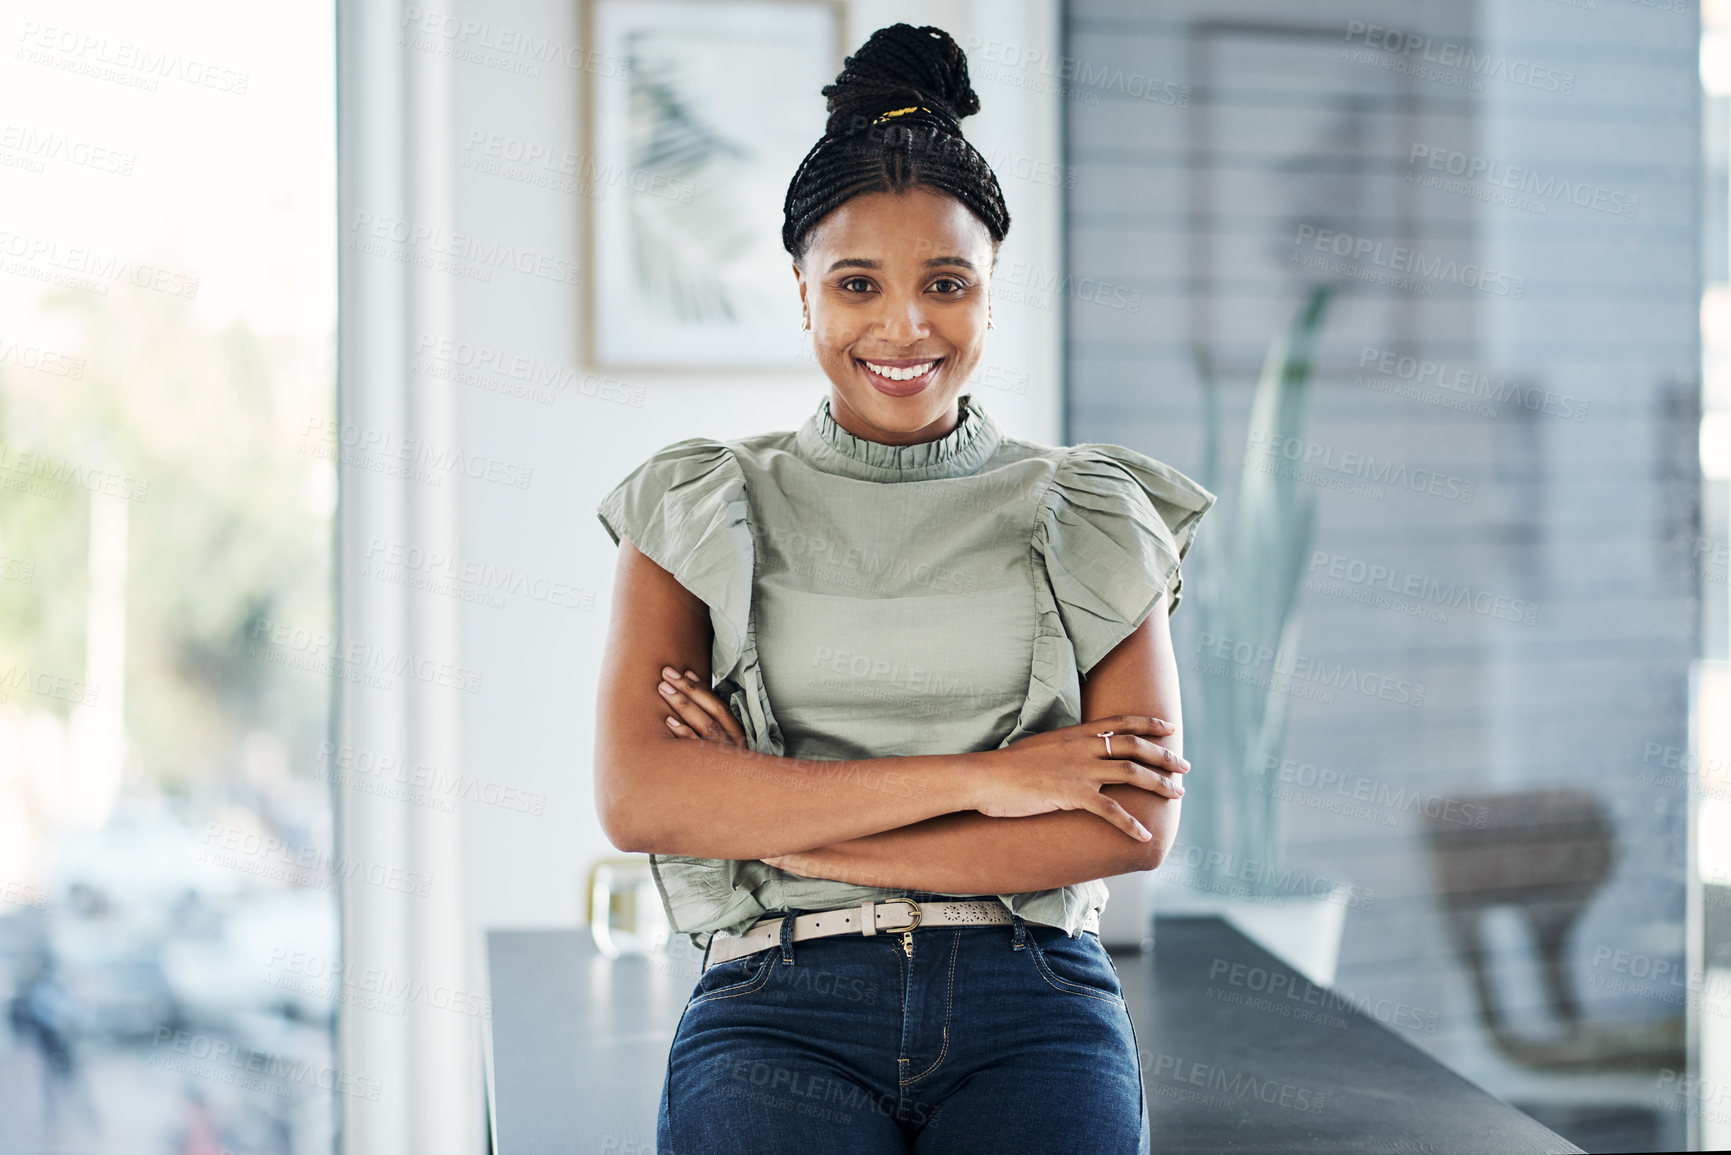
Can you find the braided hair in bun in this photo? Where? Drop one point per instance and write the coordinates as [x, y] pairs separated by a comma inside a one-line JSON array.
[[895, 115]]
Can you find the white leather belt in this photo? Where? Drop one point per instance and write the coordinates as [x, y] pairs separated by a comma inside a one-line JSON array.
[[888, 916]]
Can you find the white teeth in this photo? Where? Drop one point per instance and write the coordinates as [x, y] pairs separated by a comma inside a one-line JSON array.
[[895, 374]]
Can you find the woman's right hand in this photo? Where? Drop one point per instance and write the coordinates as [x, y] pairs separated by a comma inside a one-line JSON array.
[[1063, 769]]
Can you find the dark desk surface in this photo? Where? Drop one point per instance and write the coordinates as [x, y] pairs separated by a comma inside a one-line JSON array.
[[1252, 1059]]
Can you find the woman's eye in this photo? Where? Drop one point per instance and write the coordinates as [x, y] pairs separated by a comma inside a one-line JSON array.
[[852, 281], [955, 286]]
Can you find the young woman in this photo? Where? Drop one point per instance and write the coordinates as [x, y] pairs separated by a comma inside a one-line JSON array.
[[885, 697]]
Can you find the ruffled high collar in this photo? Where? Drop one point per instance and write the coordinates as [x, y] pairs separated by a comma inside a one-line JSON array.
[[961, 451]]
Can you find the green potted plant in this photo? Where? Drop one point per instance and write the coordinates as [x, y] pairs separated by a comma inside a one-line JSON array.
[[1229, 849]]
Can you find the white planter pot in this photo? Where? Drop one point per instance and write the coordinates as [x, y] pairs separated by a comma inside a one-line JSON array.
[[1303, 931], [1127, 923]]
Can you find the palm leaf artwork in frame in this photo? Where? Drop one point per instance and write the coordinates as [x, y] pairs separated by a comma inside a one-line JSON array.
[[695, 114], [670, 137]]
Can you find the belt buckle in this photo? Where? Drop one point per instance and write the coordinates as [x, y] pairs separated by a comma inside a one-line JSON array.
[[900, 929]]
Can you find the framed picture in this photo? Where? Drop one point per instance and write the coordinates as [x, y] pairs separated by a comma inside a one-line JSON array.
[[691, 151]]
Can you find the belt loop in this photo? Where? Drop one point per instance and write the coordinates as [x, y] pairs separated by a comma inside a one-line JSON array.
[[787, 938], [1017, 940]]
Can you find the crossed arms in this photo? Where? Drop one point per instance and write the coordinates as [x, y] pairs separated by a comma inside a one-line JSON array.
[[658, 792]]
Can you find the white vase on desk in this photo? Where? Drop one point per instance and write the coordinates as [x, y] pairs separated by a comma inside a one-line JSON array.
[[624, 908], [1302, 930], [1127, 923]]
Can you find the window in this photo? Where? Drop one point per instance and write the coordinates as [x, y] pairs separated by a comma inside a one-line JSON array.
[[168, 917]]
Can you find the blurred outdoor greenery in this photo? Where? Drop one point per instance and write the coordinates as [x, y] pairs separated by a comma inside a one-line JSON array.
[[233, 529]]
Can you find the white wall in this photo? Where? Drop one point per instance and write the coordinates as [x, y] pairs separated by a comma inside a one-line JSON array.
[[531, 725]]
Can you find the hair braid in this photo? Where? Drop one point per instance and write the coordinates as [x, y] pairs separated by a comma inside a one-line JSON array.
[[899, 67]]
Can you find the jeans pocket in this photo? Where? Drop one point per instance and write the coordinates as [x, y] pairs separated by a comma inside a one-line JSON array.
[[739, 976], [1077, 966]]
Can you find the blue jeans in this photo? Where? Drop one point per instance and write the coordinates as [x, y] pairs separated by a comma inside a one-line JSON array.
[[989, 1039]]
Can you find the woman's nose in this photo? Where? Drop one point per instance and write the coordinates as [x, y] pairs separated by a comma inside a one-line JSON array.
[[904, 322]]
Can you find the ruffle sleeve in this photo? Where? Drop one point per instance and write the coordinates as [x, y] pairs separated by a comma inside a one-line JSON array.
[[1112, 530], [685, 508]]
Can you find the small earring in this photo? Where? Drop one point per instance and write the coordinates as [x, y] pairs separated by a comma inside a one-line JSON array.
[[805, 323]]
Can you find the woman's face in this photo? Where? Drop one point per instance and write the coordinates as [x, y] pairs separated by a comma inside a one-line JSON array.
[[897, 288]]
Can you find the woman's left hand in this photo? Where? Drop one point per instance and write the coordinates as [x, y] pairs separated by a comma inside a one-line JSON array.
[[698, 713]]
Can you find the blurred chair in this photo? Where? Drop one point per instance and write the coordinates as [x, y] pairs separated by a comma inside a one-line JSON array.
[[1545, 853]]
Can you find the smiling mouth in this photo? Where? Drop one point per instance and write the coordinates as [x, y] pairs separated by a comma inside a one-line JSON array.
[[900, 374]]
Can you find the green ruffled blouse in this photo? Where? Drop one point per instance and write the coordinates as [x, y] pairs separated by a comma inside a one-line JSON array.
[[877, 601]]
